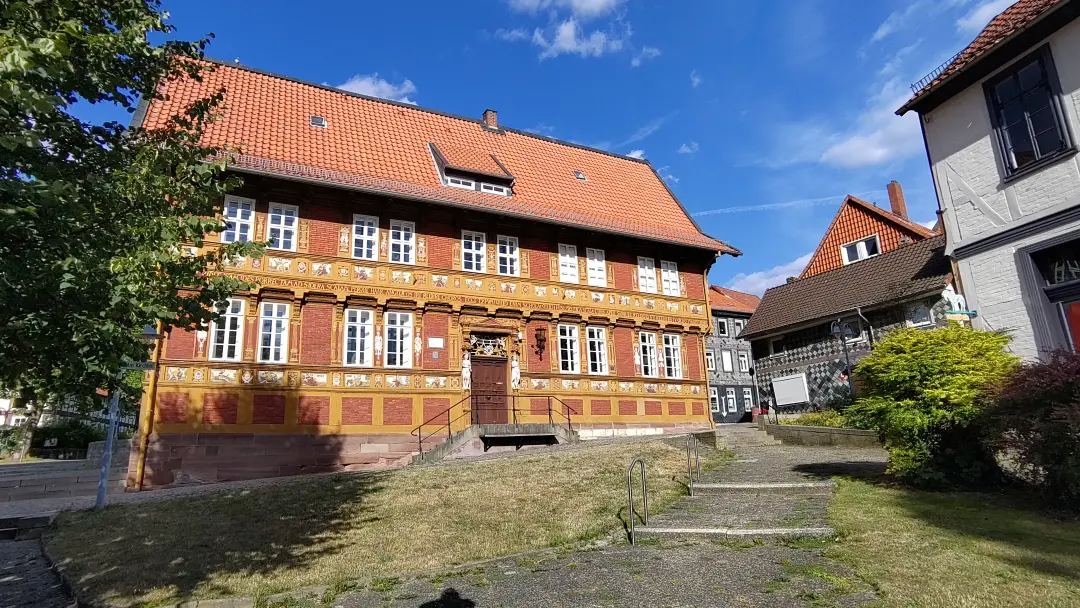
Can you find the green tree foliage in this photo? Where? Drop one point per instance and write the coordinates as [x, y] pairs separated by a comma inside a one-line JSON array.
[[926, 393], [95, 217]]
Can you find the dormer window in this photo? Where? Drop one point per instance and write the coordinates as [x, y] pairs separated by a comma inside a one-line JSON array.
[[464, 184], [471, 169], [495, 189], [317, 121], [860, 250]]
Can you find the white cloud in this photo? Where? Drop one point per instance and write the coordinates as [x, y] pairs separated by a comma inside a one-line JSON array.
[[666, 175], [689, 148], [695, 78], [372, 85], [836, 199], [638, 153], [647, 130], [583, 9], [880, 136], [541, 129], [757, 282], [980, 15], [568, 38], [646, 53], [919, 9], [515, 35]]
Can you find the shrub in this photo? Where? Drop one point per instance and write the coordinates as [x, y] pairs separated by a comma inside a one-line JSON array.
[[926, 395], [830, 418], [1035, 425], [70, 434]]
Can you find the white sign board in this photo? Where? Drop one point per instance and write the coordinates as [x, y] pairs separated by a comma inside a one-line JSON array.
[[436, 343], [790, 390]]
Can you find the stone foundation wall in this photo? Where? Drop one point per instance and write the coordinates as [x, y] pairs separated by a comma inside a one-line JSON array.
[[597, 430], [822, 435]]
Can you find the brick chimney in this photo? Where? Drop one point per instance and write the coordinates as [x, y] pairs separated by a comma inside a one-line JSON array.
[[896, 199], [491, 119]]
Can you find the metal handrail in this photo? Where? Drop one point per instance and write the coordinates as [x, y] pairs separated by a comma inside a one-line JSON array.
[[691, 465], [630, 496]]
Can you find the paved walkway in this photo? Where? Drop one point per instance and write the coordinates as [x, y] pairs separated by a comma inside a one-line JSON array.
[[25, 578]]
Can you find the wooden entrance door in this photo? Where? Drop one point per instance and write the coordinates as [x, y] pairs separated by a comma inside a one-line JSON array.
[[489, 391]]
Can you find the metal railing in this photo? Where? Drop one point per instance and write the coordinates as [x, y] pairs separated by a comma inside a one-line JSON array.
[[925, 80], [693, 467], [630, 496]]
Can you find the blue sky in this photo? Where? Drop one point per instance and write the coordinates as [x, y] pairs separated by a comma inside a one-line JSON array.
[[761, 115]]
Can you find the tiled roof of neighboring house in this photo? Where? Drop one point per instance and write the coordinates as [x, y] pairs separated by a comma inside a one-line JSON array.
[[913, 269], [382, 146], [857, 219], [1009, 22], [724, 299]]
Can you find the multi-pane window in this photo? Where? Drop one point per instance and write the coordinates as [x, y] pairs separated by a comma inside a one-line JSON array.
[[596, 338], [721, 327], [646, 273], [732, 407], [508, 256], [860, 250], [239, 216], [596, 267], [281, 226], [472, 250], [495, 189], [227, 332], [1026, 114], [710, 361], [359, 339], [669, 278], [714, 399], [739, 324], [273, 332], [464, 184], [402, 242], [647, 343], [365, 237], [568, 272], [672, 356], [747, 400], [725, 360], [399, 339], [568, 349], [744, 361]]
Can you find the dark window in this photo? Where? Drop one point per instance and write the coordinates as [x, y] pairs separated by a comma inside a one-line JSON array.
[[1059, 264], [1025, 112]]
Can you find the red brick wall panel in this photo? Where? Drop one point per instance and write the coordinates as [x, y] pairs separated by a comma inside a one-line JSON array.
[[625, 269], [436, 325], [627, 407], [541, 362], [538, 407], [397, 410], [324, 229], [539, 254], [624, 351], [172, 407], [574, 406], [316, 326], [440, 244], [268, 409], [433, 406], [600, 407], [356, 410], [676, 408], [653, 408], [220, 408], [694, 277], [699, 408], [851, 224], [180, 345], [313, 410]]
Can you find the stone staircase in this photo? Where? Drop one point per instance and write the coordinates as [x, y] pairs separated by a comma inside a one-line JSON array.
[[63, 479], [480, 439], [734, 436]]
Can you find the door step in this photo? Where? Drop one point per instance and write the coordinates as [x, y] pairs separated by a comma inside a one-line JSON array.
[[743, 533], [766, 485]]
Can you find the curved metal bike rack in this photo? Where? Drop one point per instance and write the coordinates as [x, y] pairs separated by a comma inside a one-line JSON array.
[[630, 496], [693, 467]]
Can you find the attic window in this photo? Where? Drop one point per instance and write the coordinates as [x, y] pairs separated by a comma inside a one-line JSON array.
[[860, 250], [495, 189], [457, 182], [580, 175], [317, 121]]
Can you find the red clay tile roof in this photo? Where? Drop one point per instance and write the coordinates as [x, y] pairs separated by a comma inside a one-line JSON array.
[[377, 145], [473, 160], [730, 300], [1013, 19]]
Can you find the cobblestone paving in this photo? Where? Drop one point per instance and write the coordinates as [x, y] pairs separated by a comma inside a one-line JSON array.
[[25, 578]]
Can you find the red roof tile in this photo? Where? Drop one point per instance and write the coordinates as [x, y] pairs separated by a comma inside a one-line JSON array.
[[721, 298], [377, 145]]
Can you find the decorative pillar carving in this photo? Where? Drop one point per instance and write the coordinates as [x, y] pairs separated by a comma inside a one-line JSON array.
[[303, 235], [294, 331], [251, 327], [337, 333]]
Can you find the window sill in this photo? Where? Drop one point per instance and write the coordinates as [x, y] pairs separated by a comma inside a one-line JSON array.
[[1042, 163]]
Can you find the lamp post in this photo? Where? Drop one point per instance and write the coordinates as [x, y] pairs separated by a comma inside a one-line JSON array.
[[843, 331]]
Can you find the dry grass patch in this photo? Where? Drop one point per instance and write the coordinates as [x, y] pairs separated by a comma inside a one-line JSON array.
[[326, 530], [955, 550]]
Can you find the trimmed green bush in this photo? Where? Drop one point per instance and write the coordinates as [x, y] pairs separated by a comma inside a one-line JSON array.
[[830, 418], [70, 434]]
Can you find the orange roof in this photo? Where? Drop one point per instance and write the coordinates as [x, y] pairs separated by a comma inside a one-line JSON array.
[[466, 159], [721, 298], [382, 146]]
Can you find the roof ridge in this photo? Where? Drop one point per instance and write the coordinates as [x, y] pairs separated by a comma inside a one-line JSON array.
[[889, 215]]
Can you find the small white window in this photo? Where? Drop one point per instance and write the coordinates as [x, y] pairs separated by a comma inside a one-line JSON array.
[[860, 250], [580, 176], [399, 339], [239, 216], [710, 361], [672, 357], [494, 189], [732, 407], [568, 272], [648, 354], [725, 360], [568, 349], [669, 278], [227, 332], [646, 272], [596, 267], [744, 361], [317, 121], [473, 245], [508, 256], [273, 333], [721, 327], [358, 337], [714, 400], [739, 323], [365, 237], [281, 232], [777, 346], [402, 241], [464, 184], [920, 316], [596, 338], [747, 400]]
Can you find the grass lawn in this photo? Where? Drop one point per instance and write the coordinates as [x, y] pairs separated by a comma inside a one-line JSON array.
[[955, 550], [331, 529]]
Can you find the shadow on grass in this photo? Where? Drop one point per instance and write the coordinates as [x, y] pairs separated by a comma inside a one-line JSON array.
[[872, 471]]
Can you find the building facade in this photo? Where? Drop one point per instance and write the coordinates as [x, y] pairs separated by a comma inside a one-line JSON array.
[[1001, 122], [425, 272], [728, 360]]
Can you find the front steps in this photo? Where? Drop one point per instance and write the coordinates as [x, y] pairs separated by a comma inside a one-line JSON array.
[[741, 435], [480, 439]]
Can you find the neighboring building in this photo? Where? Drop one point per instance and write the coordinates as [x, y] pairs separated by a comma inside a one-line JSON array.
[[727, 357], [416, 255], [1001, 123], [9, 414]]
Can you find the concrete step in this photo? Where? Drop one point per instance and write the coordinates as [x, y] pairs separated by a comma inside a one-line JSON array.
[[751, 511], [649, 532], [786, 487]]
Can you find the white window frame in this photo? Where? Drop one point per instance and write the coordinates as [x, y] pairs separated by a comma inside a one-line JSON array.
[[401, 323], [672, 357], [460, 182], [230, 323], [364, 338], [473, 251], [406, 246], [238, 214], [732, 406], [568, 269], [744, 361], [277, 220], [495, 189], [930, 312], [273, 325], [747, 399], [856, 326], [646, 272], [726, 362], [569, 349], [647, 350], [669, 278], [367, 244], [596, 344], [860, 247], [710, 361], [739, 325], [596, 266], [714, 400], [508, 254], [722, 327]]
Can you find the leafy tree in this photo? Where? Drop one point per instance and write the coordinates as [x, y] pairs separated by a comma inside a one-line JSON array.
[[95, 217], [926, 394]]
